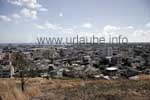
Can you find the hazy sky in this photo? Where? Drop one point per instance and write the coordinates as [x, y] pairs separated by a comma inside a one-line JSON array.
[[24, 20]]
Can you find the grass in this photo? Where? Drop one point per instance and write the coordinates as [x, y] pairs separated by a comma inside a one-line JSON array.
[[10, 89], [95, 90], [61, 89]]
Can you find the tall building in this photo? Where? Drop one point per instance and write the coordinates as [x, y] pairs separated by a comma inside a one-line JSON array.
[[106, 51]]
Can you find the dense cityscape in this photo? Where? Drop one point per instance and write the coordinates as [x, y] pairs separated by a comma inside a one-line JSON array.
[[105, 61]]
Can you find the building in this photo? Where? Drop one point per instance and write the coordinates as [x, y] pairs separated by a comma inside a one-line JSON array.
[[111, 71], [106, 51], [6, 71]]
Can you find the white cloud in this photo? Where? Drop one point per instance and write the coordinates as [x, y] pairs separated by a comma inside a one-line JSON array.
[[61, 14], [30, 8], [4, 18], [70, 30], [48, 26], [130, 27], [27, 3], [29, 13], [15, 2], [43, 9], [139, 32], [148, 24], [110, 28], [52, 26], [39, 26], [16, 16], [139, 35], [87, 25], [33, 5]]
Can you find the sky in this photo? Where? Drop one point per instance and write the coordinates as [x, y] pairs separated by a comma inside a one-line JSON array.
[[22, 21]]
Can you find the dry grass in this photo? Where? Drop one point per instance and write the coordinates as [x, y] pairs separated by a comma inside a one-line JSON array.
[[76, 89], [9, 91], [94, 90]]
